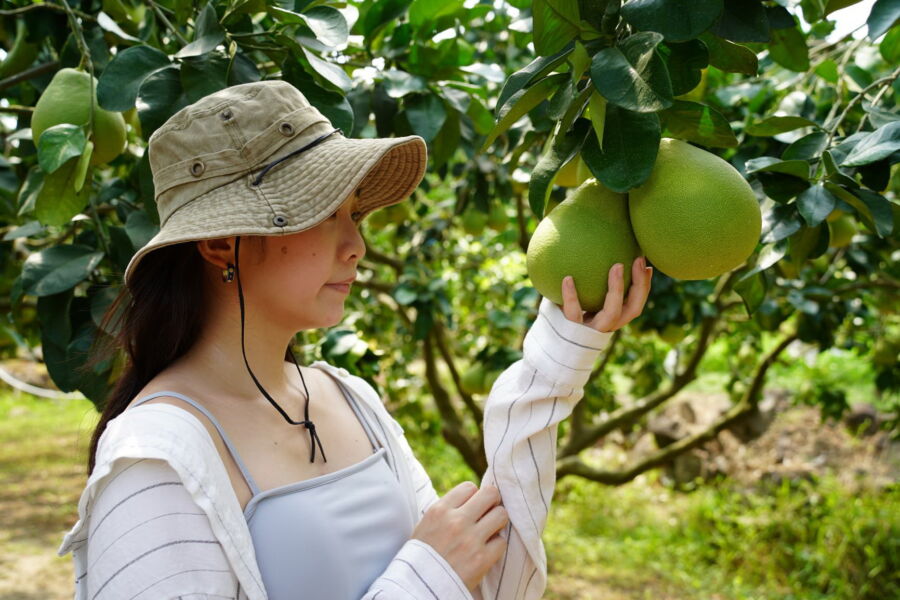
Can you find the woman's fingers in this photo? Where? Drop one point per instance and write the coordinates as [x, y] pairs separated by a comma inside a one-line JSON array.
[[571, 307], [606, 319], [641, 275], [617, 311]]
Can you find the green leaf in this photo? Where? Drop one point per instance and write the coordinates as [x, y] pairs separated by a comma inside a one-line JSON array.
[[332, 73], [107, 23], [877, 145], [331, 104], [447, 141], [815, 203], [806, 148], [883, 16], [775, 125], [426, 114], [851, 194], [58, 144], [788, 49], [204, 74], [400, 83], [779, 223], [422, 11], [562, 148], [327, 23], [779, 17], [118, 86], [58, 202], [30, 190], [878, 116], [752, 291], [58, 268], [521, 102], [53, 312], [555, 23], [208, 33], [743, 21], [677, 20], [890, 46], [81, 167], [880, 209], [140, 228], [768, 255], [597, 106], [159, 97], [242, 70], [730, 57], [698, 123], [630, 146], [769, 164], [808, 243], [828, 71], [405, 294], [632, 75], [534, 71], [685, 62]]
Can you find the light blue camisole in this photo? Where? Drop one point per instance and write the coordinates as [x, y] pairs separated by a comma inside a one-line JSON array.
[[328, 537]]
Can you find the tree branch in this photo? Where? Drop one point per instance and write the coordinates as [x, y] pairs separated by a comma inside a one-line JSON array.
[[29, 74], [452, 429], [376, 256], [441, 341], [579, 419], [573, 465]]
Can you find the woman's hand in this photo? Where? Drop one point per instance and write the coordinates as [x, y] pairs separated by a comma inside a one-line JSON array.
[[464, 527], [615, 313]]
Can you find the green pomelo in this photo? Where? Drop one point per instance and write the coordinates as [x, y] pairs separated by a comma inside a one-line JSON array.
[[841, 231], [695, 217], [67, 99], [472, 380], [474, 221], [583, 237]]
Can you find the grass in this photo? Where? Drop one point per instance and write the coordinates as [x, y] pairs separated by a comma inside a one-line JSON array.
[[42, 473]]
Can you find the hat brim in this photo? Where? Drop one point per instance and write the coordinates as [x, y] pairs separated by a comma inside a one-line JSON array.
[[300, 192]]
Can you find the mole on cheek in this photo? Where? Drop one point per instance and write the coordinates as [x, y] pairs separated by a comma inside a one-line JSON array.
[[284, 249]]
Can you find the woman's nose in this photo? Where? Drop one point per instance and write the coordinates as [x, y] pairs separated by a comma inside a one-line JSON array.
[[355, 242]]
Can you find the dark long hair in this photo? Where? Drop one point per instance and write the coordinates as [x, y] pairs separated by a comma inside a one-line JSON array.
[[157, 317]]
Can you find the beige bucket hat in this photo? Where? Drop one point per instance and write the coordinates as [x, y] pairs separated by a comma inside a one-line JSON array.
[[259, 159]]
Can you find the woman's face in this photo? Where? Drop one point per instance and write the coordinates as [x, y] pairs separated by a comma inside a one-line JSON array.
[[287, 277]]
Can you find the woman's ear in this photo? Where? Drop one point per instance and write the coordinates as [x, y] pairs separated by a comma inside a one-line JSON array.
[[218, 251]]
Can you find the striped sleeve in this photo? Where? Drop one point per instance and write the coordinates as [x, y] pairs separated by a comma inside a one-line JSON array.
[[149, 539], [521, 415]]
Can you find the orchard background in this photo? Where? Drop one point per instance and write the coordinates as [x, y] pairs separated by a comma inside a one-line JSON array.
[[675, 476]]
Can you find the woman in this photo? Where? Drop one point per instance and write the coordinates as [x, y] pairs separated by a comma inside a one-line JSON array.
[[200, 485]]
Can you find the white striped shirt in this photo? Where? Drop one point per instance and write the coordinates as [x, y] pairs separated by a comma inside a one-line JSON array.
[[159, 519]]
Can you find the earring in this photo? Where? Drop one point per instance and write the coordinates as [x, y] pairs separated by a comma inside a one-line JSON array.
[[228, 274]]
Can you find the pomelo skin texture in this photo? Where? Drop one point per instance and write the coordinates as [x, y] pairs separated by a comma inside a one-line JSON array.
[[67, 100], [583, 237], [695, 217]]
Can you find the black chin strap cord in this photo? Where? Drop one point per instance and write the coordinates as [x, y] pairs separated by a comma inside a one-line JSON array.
[[310, 426]]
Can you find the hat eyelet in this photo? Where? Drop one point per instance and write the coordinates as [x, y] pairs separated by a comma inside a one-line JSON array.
[[226, 114], [197, 168], [279, 221], [286, 129]]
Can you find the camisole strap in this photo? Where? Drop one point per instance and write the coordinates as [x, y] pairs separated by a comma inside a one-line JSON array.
[[254, 489], [360, 416]]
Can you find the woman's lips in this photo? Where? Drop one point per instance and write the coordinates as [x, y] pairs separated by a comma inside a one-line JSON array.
[[341, 287]]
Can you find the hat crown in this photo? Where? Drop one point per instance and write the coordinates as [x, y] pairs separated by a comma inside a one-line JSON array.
[[225, 135]]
